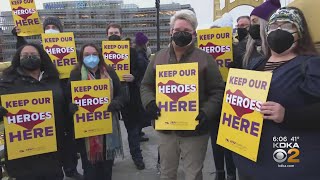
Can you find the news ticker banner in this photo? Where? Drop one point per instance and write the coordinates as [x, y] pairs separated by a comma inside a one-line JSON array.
[[93, 98], [30, 124], [177, 96], [61, 48], [117, 55], [26, 17], [241, 121], [218, 43]]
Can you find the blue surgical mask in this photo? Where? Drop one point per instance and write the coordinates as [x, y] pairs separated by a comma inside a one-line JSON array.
[[51, 31], [91, 61]]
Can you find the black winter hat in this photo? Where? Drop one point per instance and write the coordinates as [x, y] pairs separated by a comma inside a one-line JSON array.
[[53, 21]]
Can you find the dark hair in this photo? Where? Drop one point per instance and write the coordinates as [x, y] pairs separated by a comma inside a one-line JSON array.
[[141, 47], [243, 17], [80, 60], [305, 44], [114, 25], [46, 64]]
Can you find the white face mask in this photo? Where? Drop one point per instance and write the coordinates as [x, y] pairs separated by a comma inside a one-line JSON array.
[[51, 31], [149, 51]]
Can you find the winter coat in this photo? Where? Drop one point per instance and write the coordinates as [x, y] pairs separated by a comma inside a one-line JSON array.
[[292, 88], [43, 164], [293, 116], [117, 95], [137, 114], [239, 51], [211, 85], [133, 113]]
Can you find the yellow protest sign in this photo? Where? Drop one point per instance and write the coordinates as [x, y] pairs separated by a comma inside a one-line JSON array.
[[177, 96], [30, 124], [218, 43], [61, 48], [93, 99], [241, 121], [26, 17], [117, 55]]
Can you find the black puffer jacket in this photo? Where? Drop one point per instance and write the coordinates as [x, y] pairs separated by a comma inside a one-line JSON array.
[[43, 164], [132, 111]]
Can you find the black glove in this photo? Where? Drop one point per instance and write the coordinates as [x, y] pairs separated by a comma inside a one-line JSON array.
[[3, 111], [73, 108], [153, 110], [115, 106], [203, 122], [14, 32]]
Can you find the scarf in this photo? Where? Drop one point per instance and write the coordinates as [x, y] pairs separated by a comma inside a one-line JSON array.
[[113, 141]]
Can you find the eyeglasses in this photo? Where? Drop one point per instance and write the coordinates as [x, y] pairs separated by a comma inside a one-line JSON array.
[[183, 30], [284, 26], [23, 56]]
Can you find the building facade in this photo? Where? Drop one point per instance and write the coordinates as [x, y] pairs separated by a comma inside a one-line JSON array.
[[88, 20], [1, 42]]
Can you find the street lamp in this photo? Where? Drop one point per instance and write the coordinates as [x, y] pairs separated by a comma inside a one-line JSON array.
[[158, 24]]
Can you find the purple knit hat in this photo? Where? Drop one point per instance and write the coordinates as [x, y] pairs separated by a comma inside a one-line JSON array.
[[141, 39], [266, 9]]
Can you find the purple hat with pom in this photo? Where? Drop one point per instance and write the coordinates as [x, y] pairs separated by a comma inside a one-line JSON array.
[[266, 9], [141, 39]]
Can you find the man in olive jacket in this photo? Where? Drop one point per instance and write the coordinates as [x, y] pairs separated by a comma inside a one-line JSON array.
[[191, 146]]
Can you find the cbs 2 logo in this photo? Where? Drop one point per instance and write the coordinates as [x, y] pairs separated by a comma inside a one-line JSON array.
[[291, 156]]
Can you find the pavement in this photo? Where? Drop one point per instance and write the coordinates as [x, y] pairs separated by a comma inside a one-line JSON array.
[[126, 170]]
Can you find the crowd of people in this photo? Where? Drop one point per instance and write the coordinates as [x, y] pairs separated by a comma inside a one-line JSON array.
[[271, 39]]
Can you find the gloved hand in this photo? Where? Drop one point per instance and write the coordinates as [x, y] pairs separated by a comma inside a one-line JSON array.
[[153, 110], [203, 121], [16, 30], [73, 108], [3, 111], [115, 106]]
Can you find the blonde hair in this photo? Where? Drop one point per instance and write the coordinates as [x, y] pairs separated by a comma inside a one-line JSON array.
[[186, 15], [251, 44]]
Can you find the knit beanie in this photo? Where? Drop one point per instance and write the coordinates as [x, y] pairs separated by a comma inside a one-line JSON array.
[[287, 14], [266, 9], [53, 21], [141, 39]]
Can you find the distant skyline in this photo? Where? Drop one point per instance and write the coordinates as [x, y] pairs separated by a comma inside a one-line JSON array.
[[203, 8]]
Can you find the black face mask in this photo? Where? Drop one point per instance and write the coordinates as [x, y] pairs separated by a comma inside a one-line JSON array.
[[254, 31], [114, 38], [242, 33], [182, 38], [30, 63], [279, 40]]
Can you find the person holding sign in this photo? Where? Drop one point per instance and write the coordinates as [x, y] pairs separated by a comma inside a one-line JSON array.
[[25, 16], [98, 152], [130, 87], [287, 152], [190, 145], [32, 71], [53, 25], [50, 25], [222, 156]]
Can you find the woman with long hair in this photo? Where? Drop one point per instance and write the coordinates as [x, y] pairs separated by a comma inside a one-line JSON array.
[[295, 83], [98, 152], [32, 70], [256, 45]]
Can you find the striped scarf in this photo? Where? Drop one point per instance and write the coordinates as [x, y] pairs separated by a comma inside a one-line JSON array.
[[94, 144]]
